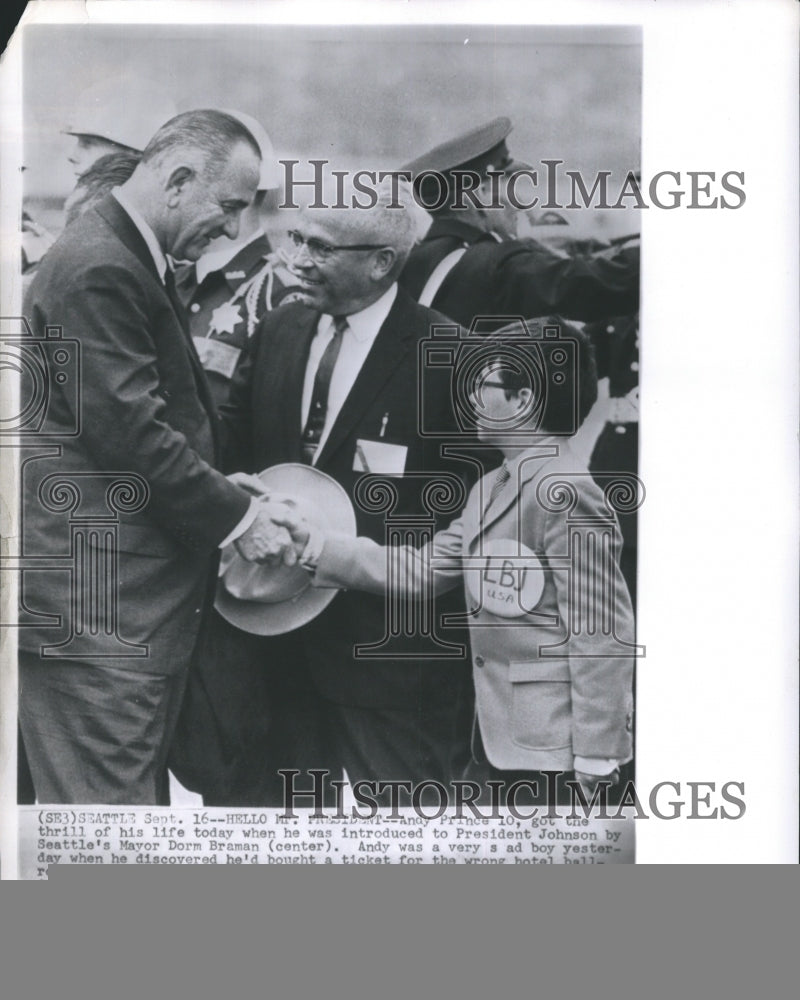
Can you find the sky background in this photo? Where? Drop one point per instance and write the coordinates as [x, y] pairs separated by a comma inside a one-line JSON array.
[[370, 97]]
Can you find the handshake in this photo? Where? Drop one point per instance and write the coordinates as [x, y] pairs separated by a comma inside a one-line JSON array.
[[279, 533]]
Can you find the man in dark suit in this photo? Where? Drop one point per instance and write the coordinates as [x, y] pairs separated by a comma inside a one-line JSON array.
[[335, 381], [131, 491], [471, 263]]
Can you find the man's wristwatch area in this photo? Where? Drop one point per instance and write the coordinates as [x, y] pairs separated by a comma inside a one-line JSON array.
[[313, 549]]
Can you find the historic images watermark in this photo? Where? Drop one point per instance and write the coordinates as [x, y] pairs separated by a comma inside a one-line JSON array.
[[523, 188], [666, 800], [91, 501]]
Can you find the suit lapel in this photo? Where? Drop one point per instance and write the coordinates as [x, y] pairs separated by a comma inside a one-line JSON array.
[[203, 388], [531, 466], [122, 224], [291, 375], [394, 340]]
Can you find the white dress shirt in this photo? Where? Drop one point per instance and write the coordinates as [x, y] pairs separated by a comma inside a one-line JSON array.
[[146, 232], [357, 340]]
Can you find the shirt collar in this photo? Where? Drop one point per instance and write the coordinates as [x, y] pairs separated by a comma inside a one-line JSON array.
[[364, 325], [146, 232], [217, 259], [535, 452]]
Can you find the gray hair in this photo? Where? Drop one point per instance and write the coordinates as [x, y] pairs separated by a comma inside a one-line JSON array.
[[395, 220], [212, 132]]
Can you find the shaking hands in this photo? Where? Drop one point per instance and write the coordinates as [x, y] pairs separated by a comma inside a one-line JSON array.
[[278, 534]]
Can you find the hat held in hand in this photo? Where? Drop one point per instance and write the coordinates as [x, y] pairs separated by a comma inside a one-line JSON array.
[[271, 600]]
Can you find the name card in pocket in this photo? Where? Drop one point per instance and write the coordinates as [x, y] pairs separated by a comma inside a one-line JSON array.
[[380, 458], [216, 356]]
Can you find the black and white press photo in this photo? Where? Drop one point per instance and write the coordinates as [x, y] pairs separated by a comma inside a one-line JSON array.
[[329, 345]]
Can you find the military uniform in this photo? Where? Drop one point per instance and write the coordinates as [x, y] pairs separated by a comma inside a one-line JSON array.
[[226, 306], [520, 277], [36, 241], [465, 270], [616, 343]]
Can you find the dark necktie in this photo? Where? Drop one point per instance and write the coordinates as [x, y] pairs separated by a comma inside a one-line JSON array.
[[502, 477], [177, 305], [183, 318], [186, 283], [318, 411]]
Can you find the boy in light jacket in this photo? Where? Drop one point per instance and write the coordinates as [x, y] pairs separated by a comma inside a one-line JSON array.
[[537, 548]]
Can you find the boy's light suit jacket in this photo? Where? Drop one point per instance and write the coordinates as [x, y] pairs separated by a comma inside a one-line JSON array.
[[550, 618]]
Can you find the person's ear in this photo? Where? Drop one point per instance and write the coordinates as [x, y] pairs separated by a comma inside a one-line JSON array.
[[524, 397], [485, 192], [383, 262], [176, 182]]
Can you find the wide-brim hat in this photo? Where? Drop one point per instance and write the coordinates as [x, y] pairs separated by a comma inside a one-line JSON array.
[[267, 600], [126, 110], [268, 179]]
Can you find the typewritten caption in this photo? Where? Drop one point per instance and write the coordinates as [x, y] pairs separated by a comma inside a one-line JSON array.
[[173, 836]]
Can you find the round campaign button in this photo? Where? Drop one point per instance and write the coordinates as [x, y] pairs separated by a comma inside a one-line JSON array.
[[507, 579]]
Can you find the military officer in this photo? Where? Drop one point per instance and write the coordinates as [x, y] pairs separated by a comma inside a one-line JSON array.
[[616, 342], [36, 241], [230, 288], [471, 263]]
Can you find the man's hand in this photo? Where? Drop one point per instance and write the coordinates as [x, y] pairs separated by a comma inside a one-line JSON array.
[[285, 515], [589, 782], [265, 541], [251, 484]]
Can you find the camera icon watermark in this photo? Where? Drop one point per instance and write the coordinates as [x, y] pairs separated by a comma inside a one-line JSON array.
[[537, 354], [67, 525], [40, 367]]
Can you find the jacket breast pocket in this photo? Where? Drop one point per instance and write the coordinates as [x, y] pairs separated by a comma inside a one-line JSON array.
[[541, 704]]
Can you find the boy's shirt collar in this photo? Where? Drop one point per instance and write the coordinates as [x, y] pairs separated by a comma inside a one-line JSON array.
[[548, 446]]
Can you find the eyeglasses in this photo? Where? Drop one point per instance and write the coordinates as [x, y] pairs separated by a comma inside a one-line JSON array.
[[319, 252], [476, 392]]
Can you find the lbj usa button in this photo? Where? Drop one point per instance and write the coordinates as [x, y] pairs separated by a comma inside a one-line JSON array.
[[508, 580]]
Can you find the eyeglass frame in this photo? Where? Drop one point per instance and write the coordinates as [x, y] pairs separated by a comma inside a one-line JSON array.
[[488, 383], [493, 385], [324, 250]]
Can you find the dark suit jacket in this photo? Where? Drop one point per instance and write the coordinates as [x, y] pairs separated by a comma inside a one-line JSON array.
[[262, 425], [521, 277], [143, 407]]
